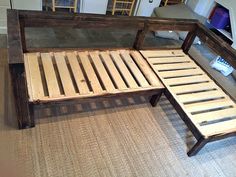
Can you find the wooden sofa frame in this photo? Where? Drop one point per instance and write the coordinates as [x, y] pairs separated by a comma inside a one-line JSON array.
[[18, 20]]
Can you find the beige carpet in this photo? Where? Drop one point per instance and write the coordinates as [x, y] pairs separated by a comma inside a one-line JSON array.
[[115, 138]]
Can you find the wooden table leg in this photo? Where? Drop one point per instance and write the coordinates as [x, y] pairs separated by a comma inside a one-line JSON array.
[[197, 147], [155, 98]]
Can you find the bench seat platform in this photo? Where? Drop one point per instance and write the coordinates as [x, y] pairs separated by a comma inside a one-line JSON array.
[[83, 74], [210, 110]]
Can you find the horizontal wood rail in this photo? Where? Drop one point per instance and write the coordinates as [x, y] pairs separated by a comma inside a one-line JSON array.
[[19, 19], [217, 44]]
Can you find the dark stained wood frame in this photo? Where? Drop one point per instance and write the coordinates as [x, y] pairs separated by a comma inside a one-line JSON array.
[[18, 20]]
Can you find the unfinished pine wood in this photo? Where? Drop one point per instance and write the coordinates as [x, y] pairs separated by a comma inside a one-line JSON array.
[[27, 73], [194, 88], [65, 77], [92, 77], [162, 53], [174, 66], [209, 105], [215, 115], [81, 74], [201, 96], [35, 84], [147, 71], [135, 70], [113, 71], [187, 80], [50, 75], [205, 103], [219, 128], [123, 69], [163, 60], [102, 71], [77, 72], [180, 73]]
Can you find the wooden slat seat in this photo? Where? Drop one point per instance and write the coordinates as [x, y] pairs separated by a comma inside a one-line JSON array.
[[207, 106], [79, 74]]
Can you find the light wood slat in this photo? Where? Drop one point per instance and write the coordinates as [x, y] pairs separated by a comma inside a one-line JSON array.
[[28, 77], [51, 79], [134, 69], [162, 53], [123, 69], [214, 104], [145, 68], [34, 76], [113, 71], [102, 71], [201, 96], [184, 59], [219, 128], [71, 70], [187, 80], [179, 73], [215, 115], [164, 67], [66, 80], [77, 72], [193, 88], [97, 88]]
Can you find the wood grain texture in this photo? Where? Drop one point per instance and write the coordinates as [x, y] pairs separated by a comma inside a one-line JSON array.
[[50, 75], [35, 79], [65, 77], [77, 73]]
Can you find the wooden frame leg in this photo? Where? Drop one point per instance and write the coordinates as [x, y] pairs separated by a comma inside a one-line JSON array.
[[197, 147], [24, 110], [155, 98]]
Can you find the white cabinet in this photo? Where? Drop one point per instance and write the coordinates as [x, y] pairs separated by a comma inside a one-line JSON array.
[[93, 6], [146, 7], [27, 4]]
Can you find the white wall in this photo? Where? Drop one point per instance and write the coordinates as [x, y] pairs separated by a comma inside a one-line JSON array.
[[202, 7], [16, 4], [192, 3], [4, 5], [231, 6]]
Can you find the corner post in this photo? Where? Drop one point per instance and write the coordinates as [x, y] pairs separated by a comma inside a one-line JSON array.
[[24, 109], [155, 98], [140, 37], [17, 70], [189, 40]]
